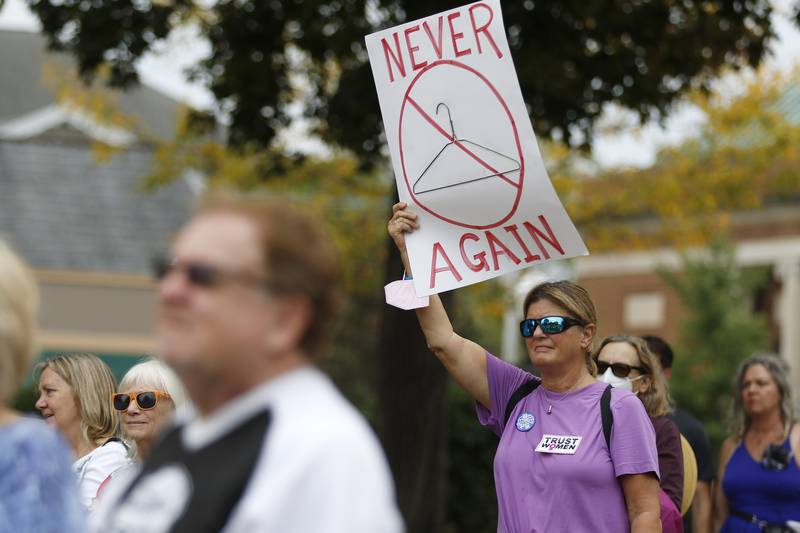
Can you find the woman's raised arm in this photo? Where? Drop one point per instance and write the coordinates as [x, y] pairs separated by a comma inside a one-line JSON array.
[[464, 360]]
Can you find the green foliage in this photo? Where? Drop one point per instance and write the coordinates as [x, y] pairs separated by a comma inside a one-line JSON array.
[[478, 314], [353, 206], [744, 157], [471, 498], [719, 330], [113, 32], [572, 57], [25, 399]]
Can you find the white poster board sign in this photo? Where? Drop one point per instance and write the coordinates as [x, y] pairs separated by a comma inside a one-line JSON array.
[[463, 150]]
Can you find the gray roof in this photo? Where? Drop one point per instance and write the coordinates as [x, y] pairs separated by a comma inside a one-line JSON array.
[[62, 210], [23, 57], [60, 207]]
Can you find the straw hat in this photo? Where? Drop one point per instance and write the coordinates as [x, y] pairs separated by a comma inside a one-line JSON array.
[[689, 475]]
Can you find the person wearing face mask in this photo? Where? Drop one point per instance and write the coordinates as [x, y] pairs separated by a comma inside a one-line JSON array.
[[625, 362], [554, 470]]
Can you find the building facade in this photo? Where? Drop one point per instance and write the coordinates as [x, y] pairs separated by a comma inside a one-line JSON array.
[[85, 224]]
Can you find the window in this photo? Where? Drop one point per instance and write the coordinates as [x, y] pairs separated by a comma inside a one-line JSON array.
[[644, 310]]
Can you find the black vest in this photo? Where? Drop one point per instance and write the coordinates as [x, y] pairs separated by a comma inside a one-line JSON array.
[[180, 490]]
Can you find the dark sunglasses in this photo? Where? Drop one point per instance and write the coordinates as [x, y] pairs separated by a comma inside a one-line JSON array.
[[145, 400], [548, 325], [201, 274], [776, 458], [621, 370]]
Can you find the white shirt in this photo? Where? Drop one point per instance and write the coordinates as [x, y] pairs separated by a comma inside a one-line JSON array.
[[320, 469], [94, 467]]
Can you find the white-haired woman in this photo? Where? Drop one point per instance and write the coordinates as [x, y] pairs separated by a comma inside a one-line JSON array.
[[149, 395], [38, 491], [148, 398]]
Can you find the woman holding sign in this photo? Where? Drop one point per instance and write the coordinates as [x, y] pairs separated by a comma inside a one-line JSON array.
[[560, 464]]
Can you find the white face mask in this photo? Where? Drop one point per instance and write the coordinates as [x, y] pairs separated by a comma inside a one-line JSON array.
[[614, 381]]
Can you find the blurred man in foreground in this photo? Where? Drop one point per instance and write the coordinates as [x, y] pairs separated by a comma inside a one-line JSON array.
[[245, 302]]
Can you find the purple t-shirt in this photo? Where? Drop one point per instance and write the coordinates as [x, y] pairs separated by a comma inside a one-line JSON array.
[[568, 492]]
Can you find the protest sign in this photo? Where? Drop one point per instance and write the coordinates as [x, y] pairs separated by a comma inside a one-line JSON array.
[[463, 150]]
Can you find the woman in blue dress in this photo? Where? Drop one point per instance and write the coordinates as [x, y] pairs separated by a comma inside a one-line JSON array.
[[760, 462]]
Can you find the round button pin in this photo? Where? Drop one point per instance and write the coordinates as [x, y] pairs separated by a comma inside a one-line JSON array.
[[525, 422]]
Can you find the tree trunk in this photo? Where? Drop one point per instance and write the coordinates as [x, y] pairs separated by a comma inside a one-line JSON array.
[[411, 418]]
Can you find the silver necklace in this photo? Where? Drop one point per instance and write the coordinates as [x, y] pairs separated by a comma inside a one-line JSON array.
[[551, 402]]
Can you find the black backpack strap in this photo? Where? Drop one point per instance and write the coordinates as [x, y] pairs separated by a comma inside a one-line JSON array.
[[522, 391], [606, 415], [116, 439]]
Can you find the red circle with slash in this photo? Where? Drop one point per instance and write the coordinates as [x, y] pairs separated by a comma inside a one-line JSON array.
[[410, 103]]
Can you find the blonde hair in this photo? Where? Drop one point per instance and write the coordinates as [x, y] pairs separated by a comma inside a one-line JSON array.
[[19, 299], [155, 374], [93, 385], [574, 299], [656, 398]]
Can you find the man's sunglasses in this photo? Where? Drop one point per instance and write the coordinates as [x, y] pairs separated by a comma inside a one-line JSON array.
[[201, 274], [621, 370], [548, 325], [145, 400]]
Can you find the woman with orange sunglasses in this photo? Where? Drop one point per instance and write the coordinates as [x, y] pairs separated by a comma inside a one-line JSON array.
[[148, 398], [149, 395]]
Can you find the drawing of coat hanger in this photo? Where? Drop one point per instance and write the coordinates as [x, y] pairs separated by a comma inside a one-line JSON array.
[[462, 142]]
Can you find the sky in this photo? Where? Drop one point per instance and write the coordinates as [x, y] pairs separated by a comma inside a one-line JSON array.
[[633, 145], [637, 146]]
